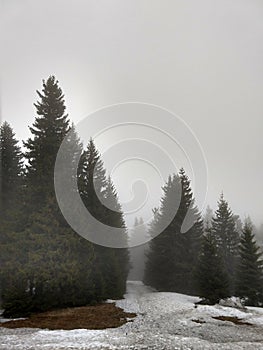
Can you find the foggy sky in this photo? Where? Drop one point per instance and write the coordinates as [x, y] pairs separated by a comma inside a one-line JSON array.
[[200, 59]]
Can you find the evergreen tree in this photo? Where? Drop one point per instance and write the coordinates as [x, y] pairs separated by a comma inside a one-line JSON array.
[[187, 205], [11, 176], [53, 268], [210, 274], [11, 168], [49, 129], [51, 264], [238, 224], [259, 236], [227, 238], [250, 269], [100, 198], [113, 217], [173, 254], [208, 219], [138, 253], [163, 248]]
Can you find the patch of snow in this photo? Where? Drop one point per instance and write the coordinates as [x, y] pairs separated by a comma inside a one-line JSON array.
[[164, 321], [232, 302], [3, 320]]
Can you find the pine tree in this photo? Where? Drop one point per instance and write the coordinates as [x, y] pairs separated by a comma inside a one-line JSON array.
[[49, 129], [208, 219], [113, 217], [11, 168], [210, 274], [226, 237], [51, 265], [163, 248], [138, 253], [259, 236], [172, 254], [194, 234], [11, 182], [53, 268], [238, 224], [250, 269], [100, 198]]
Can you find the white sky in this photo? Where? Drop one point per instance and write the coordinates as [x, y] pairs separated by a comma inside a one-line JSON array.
[[200, 59]]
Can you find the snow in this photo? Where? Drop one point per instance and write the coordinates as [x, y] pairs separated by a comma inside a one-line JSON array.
[[232, 302], [164, 321]]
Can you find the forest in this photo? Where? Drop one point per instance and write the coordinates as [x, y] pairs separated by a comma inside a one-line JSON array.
[[46, 265]]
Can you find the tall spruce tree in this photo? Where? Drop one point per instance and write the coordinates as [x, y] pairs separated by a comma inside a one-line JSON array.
[[53, 265], [100, 198], [250, 269], [163, 249], [208, 219], [11, 181], [259, 236], [138, 253], [173, 254], [49, 129], [53, 268], [227, 238], [188, 206], [113, 217], [11, 168], [211, 277]]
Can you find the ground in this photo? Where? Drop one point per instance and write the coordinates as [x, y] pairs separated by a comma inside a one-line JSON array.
[[100, 316], [164, 321]]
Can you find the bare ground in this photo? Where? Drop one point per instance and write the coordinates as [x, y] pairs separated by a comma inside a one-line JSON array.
[[100, 316]]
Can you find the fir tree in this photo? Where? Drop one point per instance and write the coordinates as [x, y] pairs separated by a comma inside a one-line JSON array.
[[250, 269], [208, 219], [210, 274], [49, 266], [52, 263], [163, 248], [226, 237], [100, 198], [113, 217], [187, 205], [49, 129], [173, 254], [11, 182], [11, 168], [138, 253], [259, 236]]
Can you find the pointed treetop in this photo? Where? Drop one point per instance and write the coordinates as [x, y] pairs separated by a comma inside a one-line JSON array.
[[136, 221]]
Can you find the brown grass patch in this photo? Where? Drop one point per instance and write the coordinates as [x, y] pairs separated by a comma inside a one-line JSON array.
[[88, 317], [198, 321], [234, 320]]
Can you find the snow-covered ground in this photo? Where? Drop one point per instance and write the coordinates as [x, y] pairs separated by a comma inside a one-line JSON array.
[[164, 321]]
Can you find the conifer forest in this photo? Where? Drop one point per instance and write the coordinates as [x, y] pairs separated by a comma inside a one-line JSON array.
[[46, 265], [131, 175]]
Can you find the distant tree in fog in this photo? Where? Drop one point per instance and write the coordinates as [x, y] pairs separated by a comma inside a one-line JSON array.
[[138, 253], [211, 276], [227, 238], [250, 269], [11, 168], [173, 254]]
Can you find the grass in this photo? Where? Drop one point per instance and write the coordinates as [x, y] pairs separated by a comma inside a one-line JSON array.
[[100, 316], [234, 320]]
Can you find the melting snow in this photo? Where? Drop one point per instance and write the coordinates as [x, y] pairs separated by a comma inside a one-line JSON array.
[[164, 321]]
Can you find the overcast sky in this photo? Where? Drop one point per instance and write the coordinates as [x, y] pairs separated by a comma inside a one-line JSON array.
[[201, 59]]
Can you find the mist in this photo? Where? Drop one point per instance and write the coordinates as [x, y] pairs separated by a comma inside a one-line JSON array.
[[201, 60]]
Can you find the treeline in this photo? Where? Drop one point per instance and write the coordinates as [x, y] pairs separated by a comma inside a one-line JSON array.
[[44, 263], [217, 257]]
